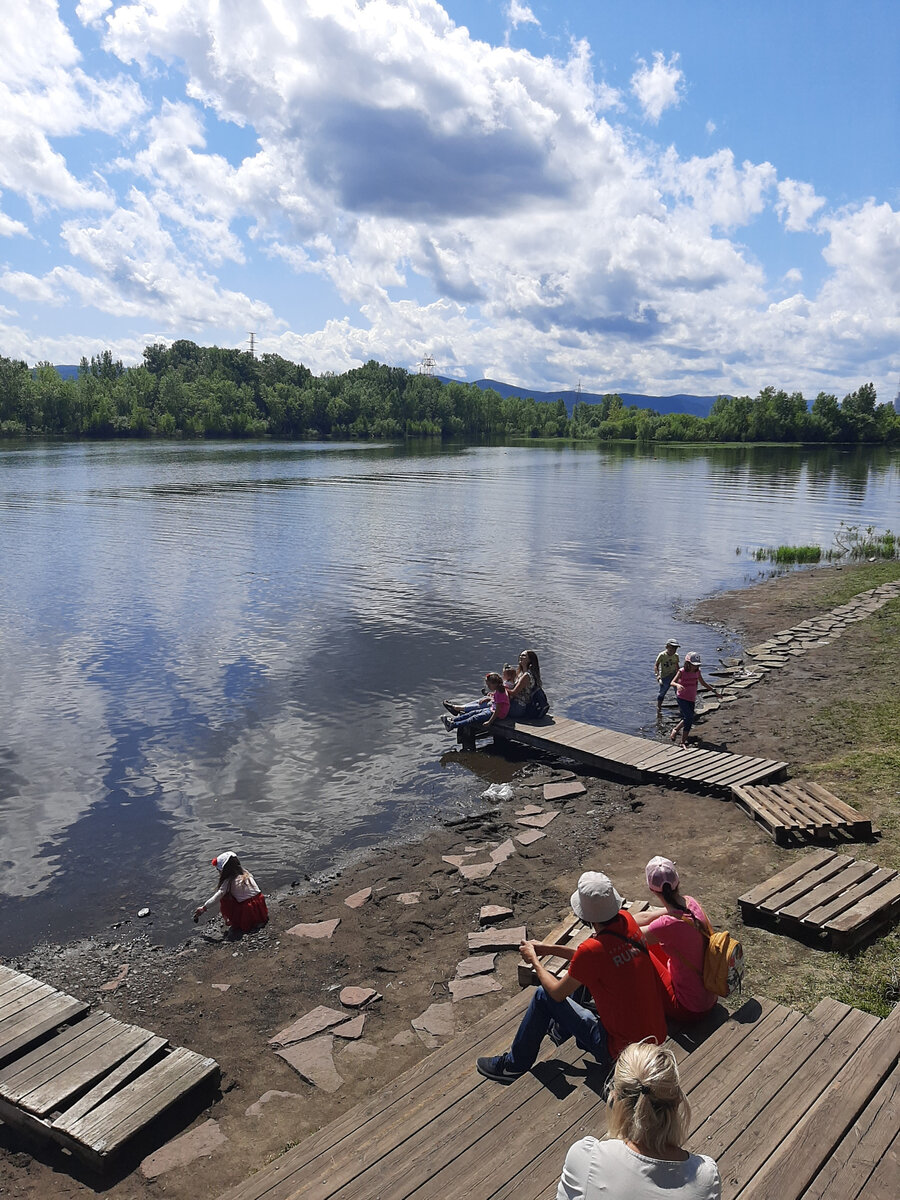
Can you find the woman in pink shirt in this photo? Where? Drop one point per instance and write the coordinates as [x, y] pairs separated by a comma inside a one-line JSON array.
[[676, 935]]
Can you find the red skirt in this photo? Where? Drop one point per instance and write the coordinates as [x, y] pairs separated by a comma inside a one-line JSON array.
[[243, 914]]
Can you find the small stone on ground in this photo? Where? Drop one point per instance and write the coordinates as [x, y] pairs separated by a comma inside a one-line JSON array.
[[255, 1109], [409, 897], [202, 1142], [478, 870], [351, 1030], [356, 997], [315, 1021], [478, 985], [530, 810], [316, 929], [476, 964], [358, 899], [437, 1019], [489, 914], [563, 791], [313, 1062], [529, 836], [498, 939], [503, 851]]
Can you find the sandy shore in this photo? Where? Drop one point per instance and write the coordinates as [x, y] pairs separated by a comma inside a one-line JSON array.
[[227, 999]]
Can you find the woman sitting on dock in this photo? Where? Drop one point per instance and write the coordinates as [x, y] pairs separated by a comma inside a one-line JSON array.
[[676, 935], [241, 903], [528, 678], [641, 1157]]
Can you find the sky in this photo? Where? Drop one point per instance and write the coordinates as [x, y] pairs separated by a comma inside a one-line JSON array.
[[653, 196]]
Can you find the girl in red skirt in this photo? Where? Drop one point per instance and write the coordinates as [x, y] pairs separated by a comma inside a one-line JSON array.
[[242, 904]]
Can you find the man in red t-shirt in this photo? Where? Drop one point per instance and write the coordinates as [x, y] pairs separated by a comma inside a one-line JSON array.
[[613, 965]]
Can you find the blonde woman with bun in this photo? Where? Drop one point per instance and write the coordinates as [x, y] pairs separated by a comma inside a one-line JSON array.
[[642, 1155]]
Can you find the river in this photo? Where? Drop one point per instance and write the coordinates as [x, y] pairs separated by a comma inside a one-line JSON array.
[[244, 645]]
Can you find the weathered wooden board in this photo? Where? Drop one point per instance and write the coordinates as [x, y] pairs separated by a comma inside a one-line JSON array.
[[797, 811]]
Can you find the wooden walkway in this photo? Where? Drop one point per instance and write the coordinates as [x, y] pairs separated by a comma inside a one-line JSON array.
[[828, 899], [88, 1083], [799, 811], [790, 1106], [636, 759]]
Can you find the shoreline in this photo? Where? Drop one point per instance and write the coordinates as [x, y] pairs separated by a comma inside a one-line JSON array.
[[227, 999]]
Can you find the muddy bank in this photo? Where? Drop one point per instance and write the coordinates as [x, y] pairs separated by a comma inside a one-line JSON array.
[[226, 999]]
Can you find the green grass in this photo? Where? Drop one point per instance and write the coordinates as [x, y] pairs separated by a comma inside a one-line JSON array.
[[850, 581]]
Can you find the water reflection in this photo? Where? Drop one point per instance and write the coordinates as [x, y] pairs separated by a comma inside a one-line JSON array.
[[235, 644]]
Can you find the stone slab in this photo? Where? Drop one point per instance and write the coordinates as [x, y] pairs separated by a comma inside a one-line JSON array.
[[478, 871], [358, 899], [530, 810], [351, 1030], [529, 836], [563, 791], [457, 860], [502, 852], [317, 1020], [437, 1019], [497, 939], [540, 822], [360, 1052], [255, 1109], [313, 1061], [221, 987], [490, 914], [475, 964], [356, 997], [202, 1142], [316, 929], [478, 985], [409, 898]]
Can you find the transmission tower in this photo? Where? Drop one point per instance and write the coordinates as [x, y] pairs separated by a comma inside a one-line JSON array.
[[252, 337], [427, 365]]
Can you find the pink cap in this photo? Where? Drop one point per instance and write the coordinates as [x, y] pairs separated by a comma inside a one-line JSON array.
[[661, 871]]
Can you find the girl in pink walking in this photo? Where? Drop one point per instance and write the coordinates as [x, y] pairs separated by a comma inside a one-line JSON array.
[[686, 683]]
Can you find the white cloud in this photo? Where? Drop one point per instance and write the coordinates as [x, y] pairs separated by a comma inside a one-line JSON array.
[[28, 287], [9, 227], [710, 127], [658, 87], [796, 204], [520, 14]]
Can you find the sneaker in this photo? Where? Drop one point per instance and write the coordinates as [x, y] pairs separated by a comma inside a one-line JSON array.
[[555, 1034], [495, 1068], [448, 722], [453, 709]]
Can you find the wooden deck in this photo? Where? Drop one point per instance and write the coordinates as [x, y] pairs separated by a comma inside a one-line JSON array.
[[87, 1083], [636, 759], [790, 1106], [828, 899], [799, 811]]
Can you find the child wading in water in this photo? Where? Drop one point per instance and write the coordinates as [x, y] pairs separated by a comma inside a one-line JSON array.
[[241, 903], [686, 682], [666, 668], [483, 712]]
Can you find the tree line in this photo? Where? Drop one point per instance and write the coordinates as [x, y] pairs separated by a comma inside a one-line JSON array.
[[190, 391]]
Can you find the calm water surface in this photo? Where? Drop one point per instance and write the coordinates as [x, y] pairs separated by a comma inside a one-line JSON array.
[[211, 646]]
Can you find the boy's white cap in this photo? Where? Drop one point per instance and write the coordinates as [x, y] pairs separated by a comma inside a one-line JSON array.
[[596, 901], [671, 642], [221, 859]]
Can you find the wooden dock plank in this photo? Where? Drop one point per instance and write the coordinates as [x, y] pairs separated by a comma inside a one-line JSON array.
[[807, 1146], [796, 870], [26, 1062], [29, 1071], [40, 1018], [866, 1144], [113, 1081], [86, 1070]]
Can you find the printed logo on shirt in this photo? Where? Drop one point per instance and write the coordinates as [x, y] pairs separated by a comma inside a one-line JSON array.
[[623, 957]]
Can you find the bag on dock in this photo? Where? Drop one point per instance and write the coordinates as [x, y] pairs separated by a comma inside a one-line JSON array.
[[538, 705], [723, 964]]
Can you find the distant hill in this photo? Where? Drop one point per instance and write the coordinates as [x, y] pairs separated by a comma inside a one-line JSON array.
[[697, 406], [67, 370]]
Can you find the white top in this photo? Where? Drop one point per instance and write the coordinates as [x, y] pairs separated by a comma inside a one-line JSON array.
[[609, 1170], [242, 887]]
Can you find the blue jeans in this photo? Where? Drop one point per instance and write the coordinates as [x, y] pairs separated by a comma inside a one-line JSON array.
[[686, 708], [573, 1021], [664, 684], [473, 714]]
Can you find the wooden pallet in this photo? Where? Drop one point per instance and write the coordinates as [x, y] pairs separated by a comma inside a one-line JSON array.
[[91, 1085], [799, 811], [826, 898], [640, 760], [30, 1009]]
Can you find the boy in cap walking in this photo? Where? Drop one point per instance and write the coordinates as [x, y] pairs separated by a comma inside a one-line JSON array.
[[613, 965], [666, 668]]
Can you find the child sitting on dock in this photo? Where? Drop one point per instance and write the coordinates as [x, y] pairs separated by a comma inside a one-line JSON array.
[[241, 903], [494, 706], [686, 683]]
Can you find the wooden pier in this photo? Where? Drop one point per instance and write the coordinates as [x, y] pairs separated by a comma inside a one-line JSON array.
[[88, 1083], [802, 1108], [639, 760]]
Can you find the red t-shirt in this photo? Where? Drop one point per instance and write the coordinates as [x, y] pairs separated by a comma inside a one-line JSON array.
[[623, 984]]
